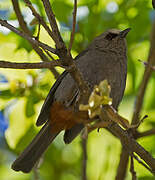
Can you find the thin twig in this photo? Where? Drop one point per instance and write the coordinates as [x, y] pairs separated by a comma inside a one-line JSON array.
[[132, 170], [36, 168], [20, 18], [84, 161], [13, 65], [146, 77], [36, 173], [39, 18], [146, 64], [100, 124], [145, 133], [51, 17], [26, 36], [141, 162], [73, 27], [51, 57]]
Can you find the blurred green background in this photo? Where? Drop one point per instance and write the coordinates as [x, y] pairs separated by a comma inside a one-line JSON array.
[[22, 92]]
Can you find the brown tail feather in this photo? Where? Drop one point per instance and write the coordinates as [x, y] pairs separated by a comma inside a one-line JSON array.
[[28, 158]]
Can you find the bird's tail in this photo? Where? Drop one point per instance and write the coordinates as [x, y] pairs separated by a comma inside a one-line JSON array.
[[28, 158]]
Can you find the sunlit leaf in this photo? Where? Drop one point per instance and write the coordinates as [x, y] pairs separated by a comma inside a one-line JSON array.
[[99, 97]]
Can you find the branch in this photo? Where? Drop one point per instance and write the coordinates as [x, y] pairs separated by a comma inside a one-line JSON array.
[[26, 36], [6, 64], [131, 145], [127, 141], [145, 133], [51, 17], [141, 93], [73, 27], [146, 77], [20, 18], [36, 168], [36, 173], [84, 161]]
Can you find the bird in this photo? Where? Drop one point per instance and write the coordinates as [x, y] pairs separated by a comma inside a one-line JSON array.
[[104, 58]]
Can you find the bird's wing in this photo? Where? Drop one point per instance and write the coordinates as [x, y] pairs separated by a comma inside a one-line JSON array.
[[44, 113]]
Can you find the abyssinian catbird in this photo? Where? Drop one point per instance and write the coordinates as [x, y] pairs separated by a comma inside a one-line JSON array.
[[105, 58]]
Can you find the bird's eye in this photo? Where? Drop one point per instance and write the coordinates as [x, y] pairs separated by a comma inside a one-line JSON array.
[[110, 36]]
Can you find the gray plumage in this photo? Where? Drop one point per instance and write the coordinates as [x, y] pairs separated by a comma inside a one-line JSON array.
[[105, 58]]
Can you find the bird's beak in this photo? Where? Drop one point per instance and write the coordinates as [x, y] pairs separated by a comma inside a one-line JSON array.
[[124, 32]]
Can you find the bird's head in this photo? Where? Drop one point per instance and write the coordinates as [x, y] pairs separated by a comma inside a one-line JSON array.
[[113, 39]]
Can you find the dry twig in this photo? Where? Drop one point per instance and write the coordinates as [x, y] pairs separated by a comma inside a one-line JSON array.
[[146, 64], [146, 77], [84, 161], [40, 65], [145, 133], [20, 18], [132, 169], [39, 18], [142, 163], [26, 36], [51, 17], [73, 27]]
